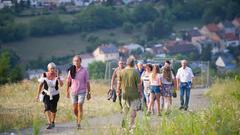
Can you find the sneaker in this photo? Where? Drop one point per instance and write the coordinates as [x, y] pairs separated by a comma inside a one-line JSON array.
[[49, 126], [78, 126], [53, 124], [186, 108], [180, 108], [123, 124], [148, 113]]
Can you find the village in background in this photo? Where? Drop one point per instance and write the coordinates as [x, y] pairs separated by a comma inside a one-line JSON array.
[[210, 43]]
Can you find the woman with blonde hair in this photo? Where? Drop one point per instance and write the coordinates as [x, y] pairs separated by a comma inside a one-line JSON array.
[[49, 88], [167, 79], [155, 91]]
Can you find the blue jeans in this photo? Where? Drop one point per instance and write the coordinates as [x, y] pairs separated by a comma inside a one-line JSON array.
[[185, 89]]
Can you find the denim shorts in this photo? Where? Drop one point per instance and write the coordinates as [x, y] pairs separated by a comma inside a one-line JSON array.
[[78, 98], [155, 89]]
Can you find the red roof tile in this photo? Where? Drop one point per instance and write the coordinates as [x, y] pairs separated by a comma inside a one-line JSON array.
[[212, 27], [230, 37]]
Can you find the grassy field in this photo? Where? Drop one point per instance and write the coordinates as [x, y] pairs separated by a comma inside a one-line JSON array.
[[186, 25], [18, 108], [63, 45], [220, 118]]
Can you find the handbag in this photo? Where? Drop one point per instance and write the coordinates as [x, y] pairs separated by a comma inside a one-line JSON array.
[[111, 94], [174, 93]]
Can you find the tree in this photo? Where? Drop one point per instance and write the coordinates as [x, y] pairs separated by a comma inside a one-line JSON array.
[[46, 25], [143, 13], [149, 31], [5, 65], [206, 52], [9, 71], [98, 17], [97, 70], [128, 27]]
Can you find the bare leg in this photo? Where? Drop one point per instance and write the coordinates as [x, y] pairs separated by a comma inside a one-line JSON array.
[[158, 103], [167, 103], [150, 106], [53, 116], [133, 117], [80, 113], [48, 114]]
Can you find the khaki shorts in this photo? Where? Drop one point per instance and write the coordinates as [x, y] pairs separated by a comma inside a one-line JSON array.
[[134, 105]]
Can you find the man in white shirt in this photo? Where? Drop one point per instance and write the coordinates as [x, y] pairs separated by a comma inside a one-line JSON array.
[[184, 82]]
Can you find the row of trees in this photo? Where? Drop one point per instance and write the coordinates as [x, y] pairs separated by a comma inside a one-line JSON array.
[[89, 19], [157, 21], [209, 11], [10, 70]]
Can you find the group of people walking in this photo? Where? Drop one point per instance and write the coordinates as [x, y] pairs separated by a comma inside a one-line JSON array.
[[150, 86], [137, 86]]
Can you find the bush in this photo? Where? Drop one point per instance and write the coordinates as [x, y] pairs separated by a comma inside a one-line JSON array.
[[9, 71], [47, 25], [97, 70], [128, 27]]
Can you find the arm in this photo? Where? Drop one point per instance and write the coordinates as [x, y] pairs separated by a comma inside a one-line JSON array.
[[119, 85], [113, 78], [88, 86], [39, 91], [139, 84], [178, 81], [68, 84], [60, 81]]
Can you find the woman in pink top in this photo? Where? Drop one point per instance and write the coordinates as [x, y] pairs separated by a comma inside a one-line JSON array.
[[78, 80], [154, 89]]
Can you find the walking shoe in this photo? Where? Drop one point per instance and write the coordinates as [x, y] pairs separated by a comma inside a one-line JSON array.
[[53, 124], [180, 108], [186, 108], [123, 124], [78, 126], [49, 126]]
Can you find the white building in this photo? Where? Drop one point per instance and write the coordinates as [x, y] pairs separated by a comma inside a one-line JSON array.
[[131, 47], [106, 53]]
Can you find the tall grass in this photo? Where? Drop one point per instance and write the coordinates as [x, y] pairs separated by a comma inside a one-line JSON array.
[[222, 117], [18, 108]]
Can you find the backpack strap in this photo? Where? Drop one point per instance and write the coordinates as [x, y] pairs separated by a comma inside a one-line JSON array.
[[45, 85], [56, 85]]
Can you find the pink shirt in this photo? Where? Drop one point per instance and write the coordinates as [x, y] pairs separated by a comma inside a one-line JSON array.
[[79, 83]]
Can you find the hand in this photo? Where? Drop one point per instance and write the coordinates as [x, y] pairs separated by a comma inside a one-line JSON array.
[[177, 87], [37, 98], [68, 96], [118, 93], [88, 96]]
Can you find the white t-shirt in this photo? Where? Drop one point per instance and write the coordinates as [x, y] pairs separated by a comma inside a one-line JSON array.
[[185, 75], [146, 82], [164, 81], [51, 84], [155, 81]]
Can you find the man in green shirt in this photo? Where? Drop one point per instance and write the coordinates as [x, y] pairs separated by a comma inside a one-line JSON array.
[[129, 83]]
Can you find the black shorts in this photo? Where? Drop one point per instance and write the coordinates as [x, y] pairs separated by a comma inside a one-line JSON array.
[[51, 105]]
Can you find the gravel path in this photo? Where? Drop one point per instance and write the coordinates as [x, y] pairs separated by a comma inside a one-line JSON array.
[[99, 125]]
